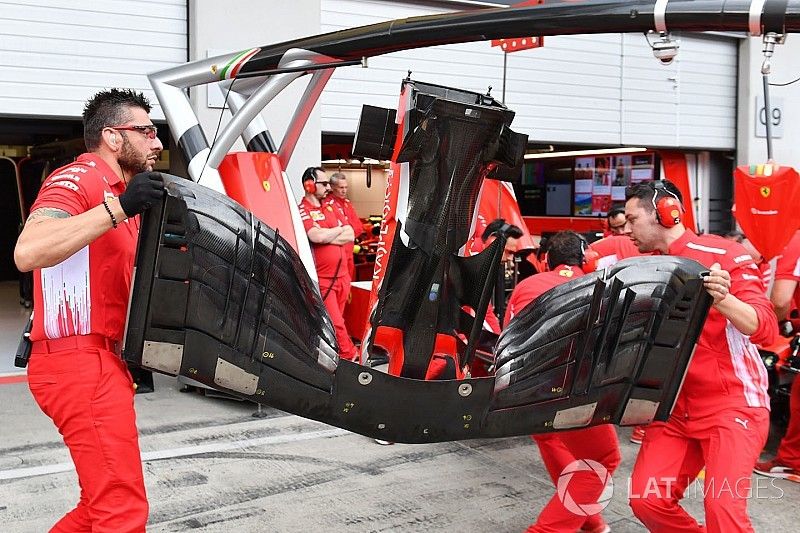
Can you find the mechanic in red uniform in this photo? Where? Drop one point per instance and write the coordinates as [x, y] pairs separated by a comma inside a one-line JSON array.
[[565, 257], [331, 240], [512, 234], [785, 295], [615, 222], [763, 266], [339, 198], [721, 416], [80, 241], [614, 248]]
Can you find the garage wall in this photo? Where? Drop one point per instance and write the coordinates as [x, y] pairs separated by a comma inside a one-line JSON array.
[[55, 54], [583, 89], [785, 96]]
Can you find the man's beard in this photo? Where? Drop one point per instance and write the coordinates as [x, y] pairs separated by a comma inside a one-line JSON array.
[[131, 162]]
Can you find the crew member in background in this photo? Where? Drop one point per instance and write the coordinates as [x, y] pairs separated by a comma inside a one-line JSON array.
[[512, 234], [721, 416], [331, 240], [80, 241], [615, 220], [785, 294], [763, 266], [565, 257], [339, 198], [614, 248]]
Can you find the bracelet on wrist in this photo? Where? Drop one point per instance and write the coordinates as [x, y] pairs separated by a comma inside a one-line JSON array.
[[110, 214]]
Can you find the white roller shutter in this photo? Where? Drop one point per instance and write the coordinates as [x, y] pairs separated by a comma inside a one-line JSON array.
[[689, 103], [57, 53], [583, 89]]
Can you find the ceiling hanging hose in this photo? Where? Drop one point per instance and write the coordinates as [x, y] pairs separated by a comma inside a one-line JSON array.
[[769, 47], [768, 17]]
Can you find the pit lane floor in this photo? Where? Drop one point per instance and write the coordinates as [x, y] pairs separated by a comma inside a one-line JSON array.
[[211, 466]]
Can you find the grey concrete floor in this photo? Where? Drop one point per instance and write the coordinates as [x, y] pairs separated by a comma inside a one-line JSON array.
[[211, 466]]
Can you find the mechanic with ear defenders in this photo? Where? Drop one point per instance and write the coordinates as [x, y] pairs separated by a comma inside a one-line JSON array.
[[567, 260], [331, 239], [721, 416]]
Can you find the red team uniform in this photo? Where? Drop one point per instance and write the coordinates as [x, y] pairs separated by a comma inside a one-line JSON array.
[[75, 373], [331, 261], [348, 214], [788, 267], [558, 450], [721, 416], [614, 248]]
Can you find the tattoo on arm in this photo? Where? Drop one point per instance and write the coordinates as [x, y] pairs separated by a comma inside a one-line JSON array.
[[47, 212]]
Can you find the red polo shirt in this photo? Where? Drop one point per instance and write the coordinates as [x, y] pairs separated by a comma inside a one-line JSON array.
[[328, 258], [88, 292], [726, 370], [348, 213], [788, 265], [614, 248], [534, 286]]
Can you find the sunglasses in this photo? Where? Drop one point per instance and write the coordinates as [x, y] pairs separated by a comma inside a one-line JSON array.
[[323, 183], [149, 130]]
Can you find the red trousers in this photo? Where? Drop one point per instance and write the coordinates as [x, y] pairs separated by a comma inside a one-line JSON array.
[[560, 450], [335, 292], [673, 453], [789, 449], [89, 396]]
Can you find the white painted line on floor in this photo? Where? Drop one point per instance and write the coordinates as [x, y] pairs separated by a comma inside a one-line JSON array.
[[18, 473]]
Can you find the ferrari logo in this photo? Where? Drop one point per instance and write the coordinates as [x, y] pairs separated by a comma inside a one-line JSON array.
[[765, 191], [266, 185], [567, 273]]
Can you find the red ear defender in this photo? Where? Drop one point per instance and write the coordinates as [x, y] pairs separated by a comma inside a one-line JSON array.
[[590, 258], [669, 210], [309, 186]]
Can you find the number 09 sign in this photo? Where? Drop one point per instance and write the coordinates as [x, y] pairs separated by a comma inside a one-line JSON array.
[[776, 117]]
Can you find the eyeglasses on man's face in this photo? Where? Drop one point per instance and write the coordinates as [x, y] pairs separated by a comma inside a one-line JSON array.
[[148, 130], [323, 183]]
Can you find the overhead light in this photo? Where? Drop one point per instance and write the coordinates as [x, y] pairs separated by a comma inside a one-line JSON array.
[[354, 162], [578, 153]]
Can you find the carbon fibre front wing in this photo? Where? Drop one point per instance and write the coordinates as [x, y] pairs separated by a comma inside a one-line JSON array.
[[221, 298]]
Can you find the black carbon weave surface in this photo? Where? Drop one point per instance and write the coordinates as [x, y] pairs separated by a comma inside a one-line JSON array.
[[246, 288]]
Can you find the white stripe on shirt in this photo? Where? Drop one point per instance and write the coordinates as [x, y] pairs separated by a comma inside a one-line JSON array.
[[702, 248], [743, 351]]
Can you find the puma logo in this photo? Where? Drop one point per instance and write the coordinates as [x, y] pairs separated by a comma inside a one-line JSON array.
[[742, 422]]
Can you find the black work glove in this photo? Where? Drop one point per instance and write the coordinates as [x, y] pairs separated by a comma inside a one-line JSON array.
[[143, 190]]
